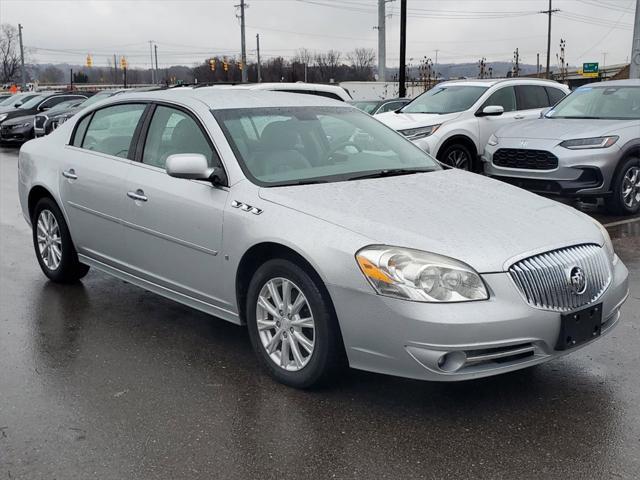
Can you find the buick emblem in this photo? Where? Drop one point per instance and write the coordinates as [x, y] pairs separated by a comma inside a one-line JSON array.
[[524, 143], [577, 280]]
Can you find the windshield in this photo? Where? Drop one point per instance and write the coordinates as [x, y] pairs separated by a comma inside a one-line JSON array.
[[293, 145], [32, 102], [96, 98], [609, 103], [446, 99], [64, 106], [12, 99], [368, 107]]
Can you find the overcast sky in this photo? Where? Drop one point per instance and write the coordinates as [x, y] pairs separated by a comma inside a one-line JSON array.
[[188, 31]]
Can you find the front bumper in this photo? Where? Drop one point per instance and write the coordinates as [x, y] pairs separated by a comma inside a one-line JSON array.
[[15, 135], [580, 173], [502, 334]]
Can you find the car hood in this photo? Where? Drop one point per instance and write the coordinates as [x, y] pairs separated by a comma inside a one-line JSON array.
[[18, 120], [560, 128], [403, 121], [483, 222]]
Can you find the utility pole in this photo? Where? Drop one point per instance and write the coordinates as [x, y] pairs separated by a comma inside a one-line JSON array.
[[71, 79], [402, 88], [243, 47], [435, 68], [634, 68], [115, 70], [258, 55], [151, 57], [22, 72], [538, 65], [550, 11], [382, 39], [516, 63], [155, 48]]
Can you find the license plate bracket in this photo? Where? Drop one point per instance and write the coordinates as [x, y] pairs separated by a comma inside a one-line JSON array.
[[579, 327]]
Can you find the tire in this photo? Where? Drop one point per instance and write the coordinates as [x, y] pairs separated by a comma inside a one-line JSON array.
[[625, 187], [457, 155], [57, 258], [306, 369]]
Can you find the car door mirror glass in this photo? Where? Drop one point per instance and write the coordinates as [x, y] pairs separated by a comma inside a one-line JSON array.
[[192, 166], [493, 110]]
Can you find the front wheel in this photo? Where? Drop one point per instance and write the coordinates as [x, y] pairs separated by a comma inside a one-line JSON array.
[[625, 186], [292, 326], [53, 246], [457, 155]]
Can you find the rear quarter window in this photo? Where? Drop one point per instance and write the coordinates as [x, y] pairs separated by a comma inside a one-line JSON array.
[[531, 96]]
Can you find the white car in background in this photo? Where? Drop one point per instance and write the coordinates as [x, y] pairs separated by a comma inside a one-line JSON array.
[[454, 120], [318, 89]]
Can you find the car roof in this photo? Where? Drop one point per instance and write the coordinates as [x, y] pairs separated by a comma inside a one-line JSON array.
[[630, 82], [490, 82], [224, 98]]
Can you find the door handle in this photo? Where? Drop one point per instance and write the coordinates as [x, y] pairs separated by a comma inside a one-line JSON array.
[[519, 117], [70, 174], [137, 195]]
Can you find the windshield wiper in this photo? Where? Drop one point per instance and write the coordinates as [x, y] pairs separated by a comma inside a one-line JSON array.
[[390, 172]]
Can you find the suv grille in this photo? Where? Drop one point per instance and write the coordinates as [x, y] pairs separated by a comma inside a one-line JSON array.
[[40, 121], [545, 280], [523, 158]]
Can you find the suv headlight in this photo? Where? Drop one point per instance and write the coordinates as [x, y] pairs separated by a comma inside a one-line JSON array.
[[3, 116], [594, 142], [493, 140], [421, 132], [420, 276]]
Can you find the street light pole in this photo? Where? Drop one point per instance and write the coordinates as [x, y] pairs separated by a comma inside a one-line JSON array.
[[258, 55], [243, 47], [402, 88], [634, 67], [23, 74]]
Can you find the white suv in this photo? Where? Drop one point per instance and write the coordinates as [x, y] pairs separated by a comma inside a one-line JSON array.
[[454, 120]]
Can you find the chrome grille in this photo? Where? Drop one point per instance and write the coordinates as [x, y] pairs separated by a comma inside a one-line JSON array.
[[40, 121], [524, 158], [544, 280]]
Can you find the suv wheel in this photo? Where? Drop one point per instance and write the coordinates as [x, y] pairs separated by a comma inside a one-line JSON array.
[[293, 329], [52, 242], [626, 188], [457, 155]]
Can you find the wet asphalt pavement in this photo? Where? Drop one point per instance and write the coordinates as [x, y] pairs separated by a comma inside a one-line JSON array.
[[104, 380]]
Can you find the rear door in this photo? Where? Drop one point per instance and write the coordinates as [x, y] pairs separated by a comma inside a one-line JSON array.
[[174, 226], [93, 180], [504, 97], [532, 99]]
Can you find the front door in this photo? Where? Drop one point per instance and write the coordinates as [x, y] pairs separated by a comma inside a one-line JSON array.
[[174, 226], [506, 98], [93, 181]]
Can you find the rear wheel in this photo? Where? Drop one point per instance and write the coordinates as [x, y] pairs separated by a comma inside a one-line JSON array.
[[457, 155], [52, 243], [292, 326], [625, 186]]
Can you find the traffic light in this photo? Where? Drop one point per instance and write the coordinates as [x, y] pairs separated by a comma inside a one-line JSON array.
[[225, 64], [123, 63], [89, 61], [212, 64], [240, 65]]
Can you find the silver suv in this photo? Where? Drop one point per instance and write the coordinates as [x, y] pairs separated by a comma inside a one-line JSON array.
[[586, 146], [454, 120]]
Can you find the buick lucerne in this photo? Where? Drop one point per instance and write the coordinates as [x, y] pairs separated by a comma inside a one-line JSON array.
[[336, 240]]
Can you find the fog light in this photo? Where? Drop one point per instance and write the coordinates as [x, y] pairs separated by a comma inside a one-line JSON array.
[[452, 361]]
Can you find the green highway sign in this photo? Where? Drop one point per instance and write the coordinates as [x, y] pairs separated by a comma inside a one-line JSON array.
[[592, 67]]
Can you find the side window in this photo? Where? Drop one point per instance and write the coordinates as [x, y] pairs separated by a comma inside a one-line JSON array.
[[172, 131], [331, 95], [505, 97], [81, 128], [111, 129], [555, 95], [390, 107], [52, 102], [531, 96]]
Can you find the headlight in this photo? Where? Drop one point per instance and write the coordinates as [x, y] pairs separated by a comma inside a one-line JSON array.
[[3, 116], [608, 244], [595, 142], [493, 140], [417, 133], [20, 125], [61, 120], [419, 276]]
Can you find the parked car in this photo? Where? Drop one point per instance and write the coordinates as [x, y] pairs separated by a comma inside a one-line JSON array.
[[587, 146], [454, 120], [375, 107], [239, 204], [17, 130], [48, 121], [318, 89], [14, 101], [40, 103]]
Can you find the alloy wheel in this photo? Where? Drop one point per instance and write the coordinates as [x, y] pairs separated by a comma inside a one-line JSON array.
[[631, 187], [285, 324], [458, 158], [49, 240]]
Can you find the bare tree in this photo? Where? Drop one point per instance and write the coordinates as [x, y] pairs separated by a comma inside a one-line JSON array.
[[327, 64], [304, 56], [362, 62], [9, 54], [51, 74]]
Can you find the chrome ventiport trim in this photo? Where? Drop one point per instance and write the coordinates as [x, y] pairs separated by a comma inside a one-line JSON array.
[[545, 280], [246, 207]]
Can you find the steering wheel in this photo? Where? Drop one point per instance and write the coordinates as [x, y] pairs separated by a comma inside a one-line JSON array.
[[341, 145]]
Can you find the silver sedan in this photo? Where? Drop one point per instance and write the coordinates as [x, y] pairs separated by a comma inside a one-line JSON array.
[[333, 238]]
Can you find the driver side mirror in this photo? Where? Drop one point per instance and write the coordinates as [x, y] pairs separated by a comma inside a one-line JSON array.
[[193, 166], [544, 112], [17, 104], [492, 111], [44, 108]]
